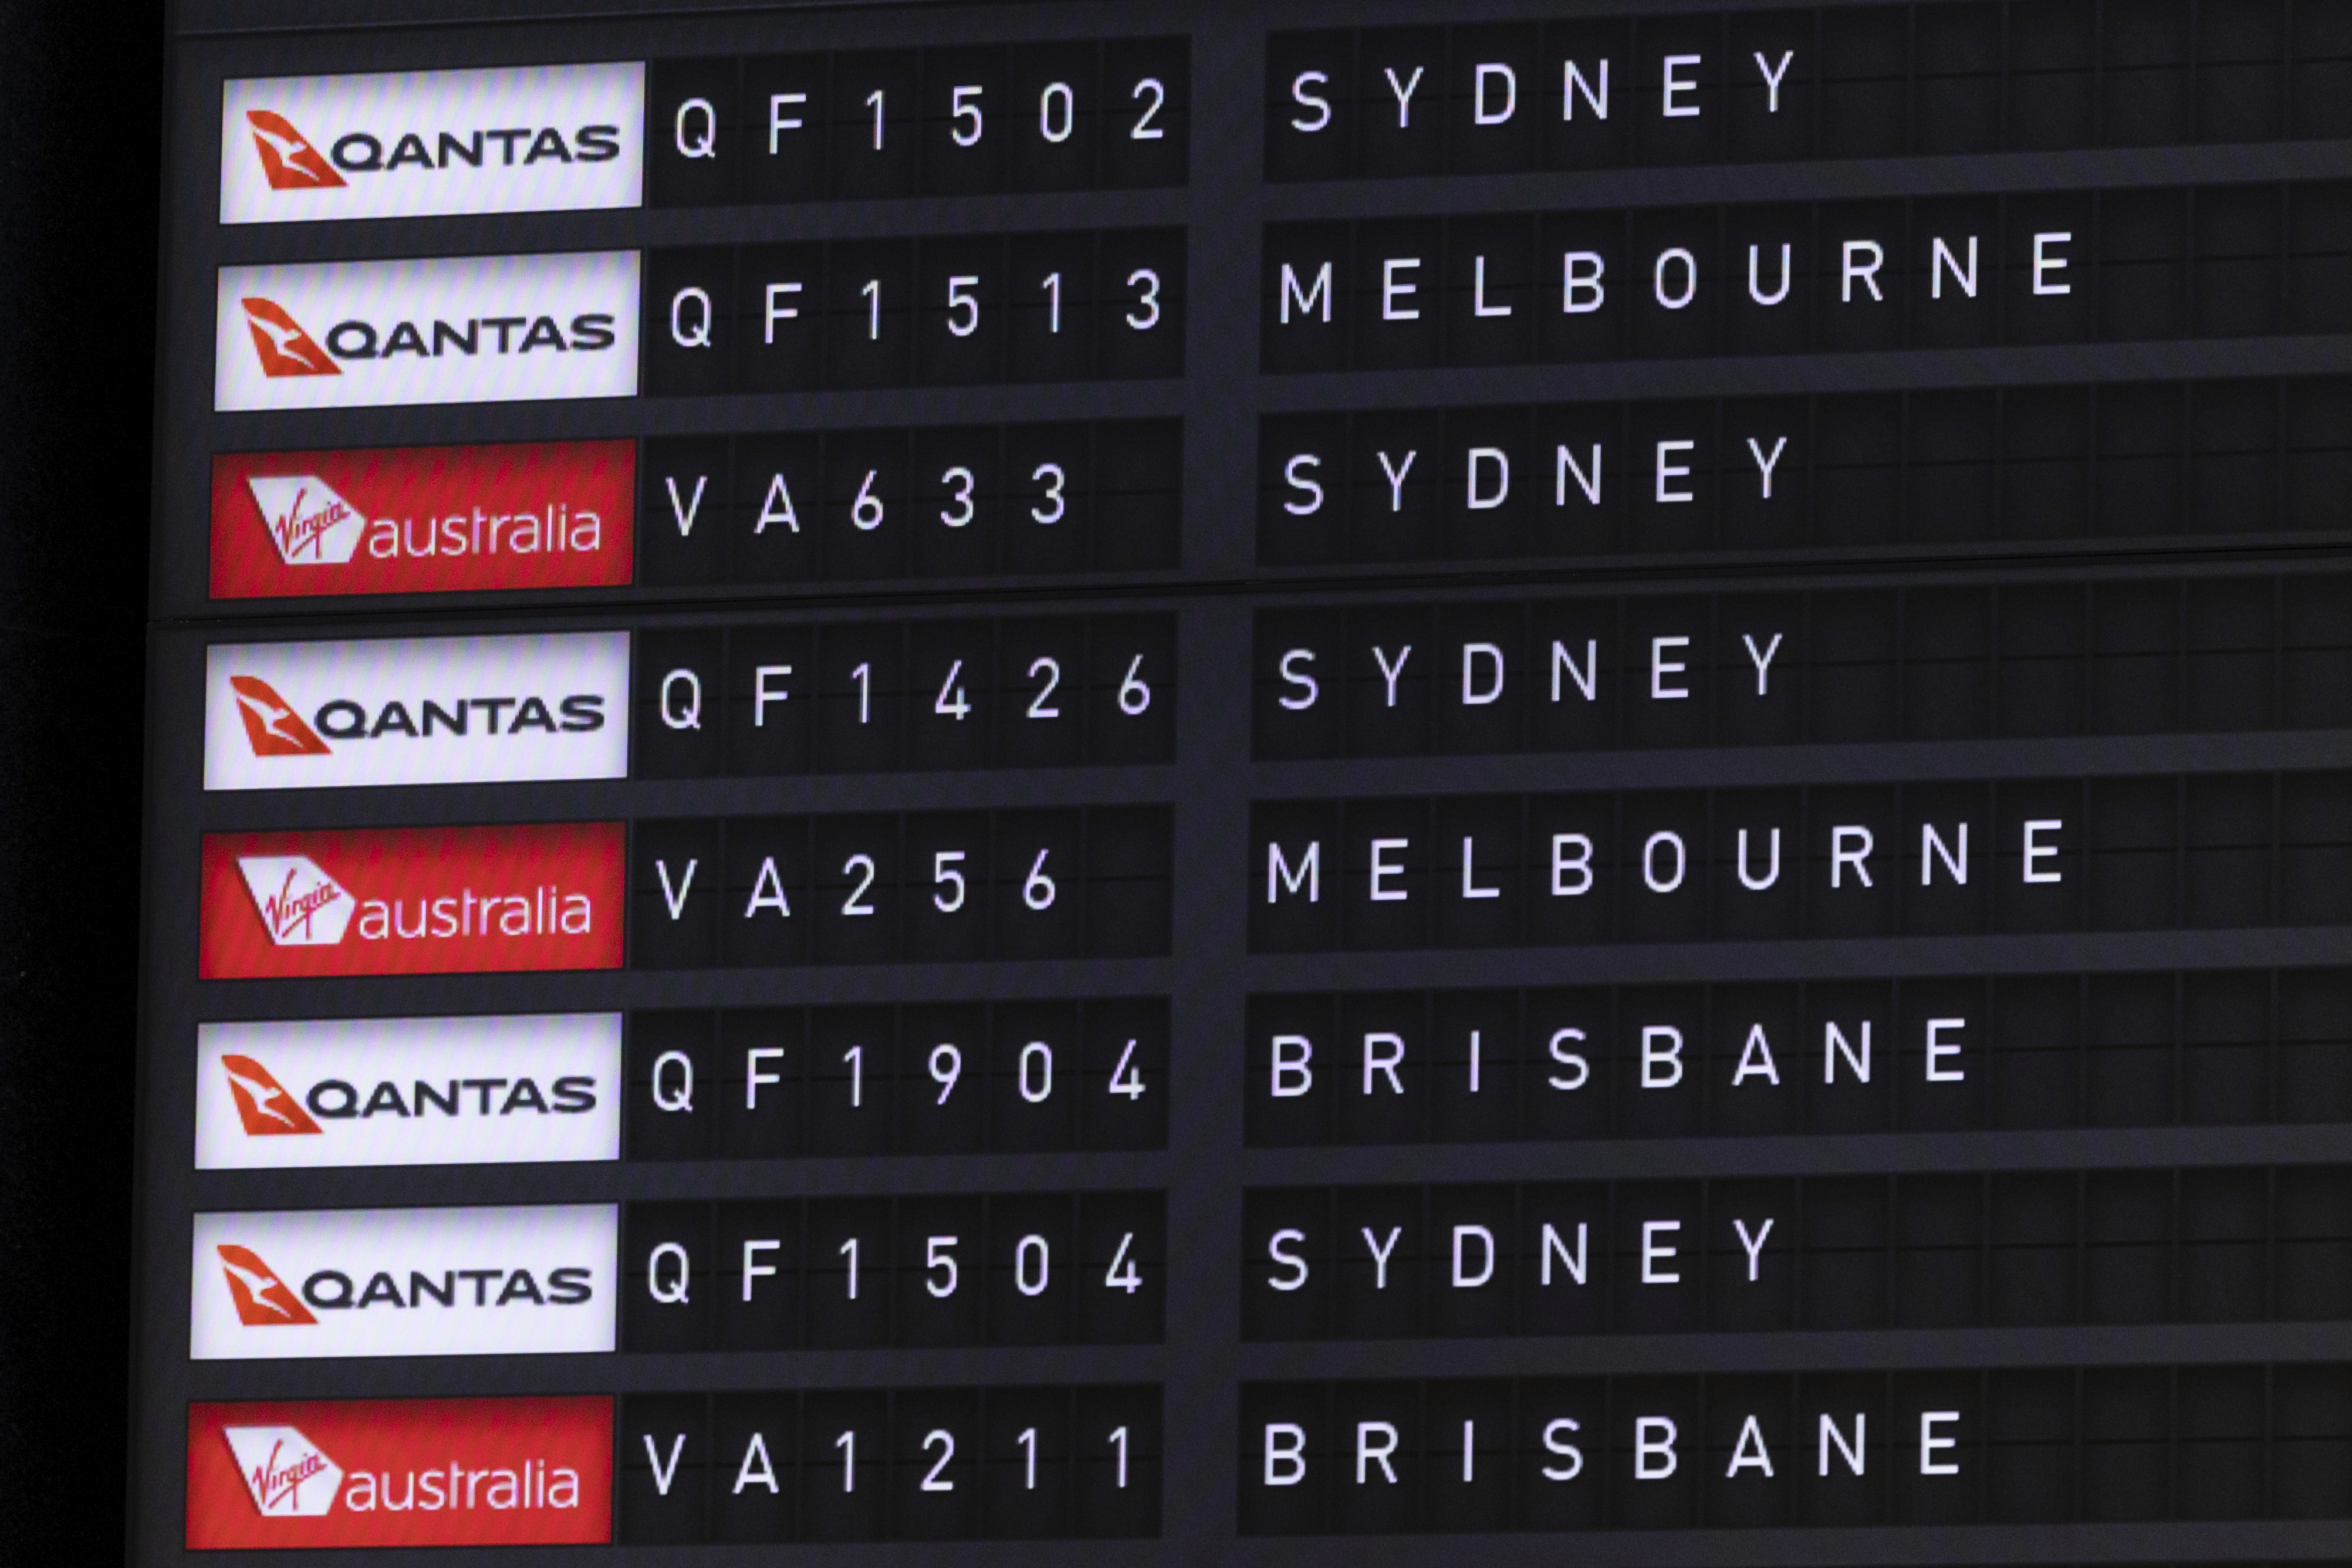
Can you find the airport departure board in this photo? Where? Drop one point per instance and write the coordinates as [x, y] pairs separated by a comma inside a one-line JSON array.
[[1526, 779]]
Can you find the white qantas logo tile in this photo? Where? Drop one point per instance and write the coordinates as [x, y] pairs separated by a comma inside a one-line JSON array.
[[421, 143]]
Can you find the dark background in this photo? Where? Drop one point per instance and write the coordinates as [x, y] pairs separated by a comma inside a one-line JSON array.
[[82, 98]]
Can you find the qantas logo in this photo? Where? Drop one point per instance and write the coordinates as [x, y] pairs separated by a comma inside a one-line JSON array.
[[270, 723], [407, 1091], [308, 522], [263, 1300], [417, 143], [275, 729], [461, 329], [287, 159], [338, 1101], [284, 347], [300, 904], [287, 349], [262, 1102], [292, 163], [269, 1109], [363, 154], [422, 711], [289, 1476]]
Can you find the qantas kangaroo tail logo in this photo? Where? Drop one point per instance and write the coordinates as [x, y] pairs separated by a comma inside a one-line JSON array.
[[288, 158], [262, 1102], [284, 347], [272, 725], [263, 1300]]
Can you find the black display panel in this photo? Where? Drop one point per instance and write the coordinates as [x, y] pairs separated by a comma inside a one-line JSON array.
[[977, 784]]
